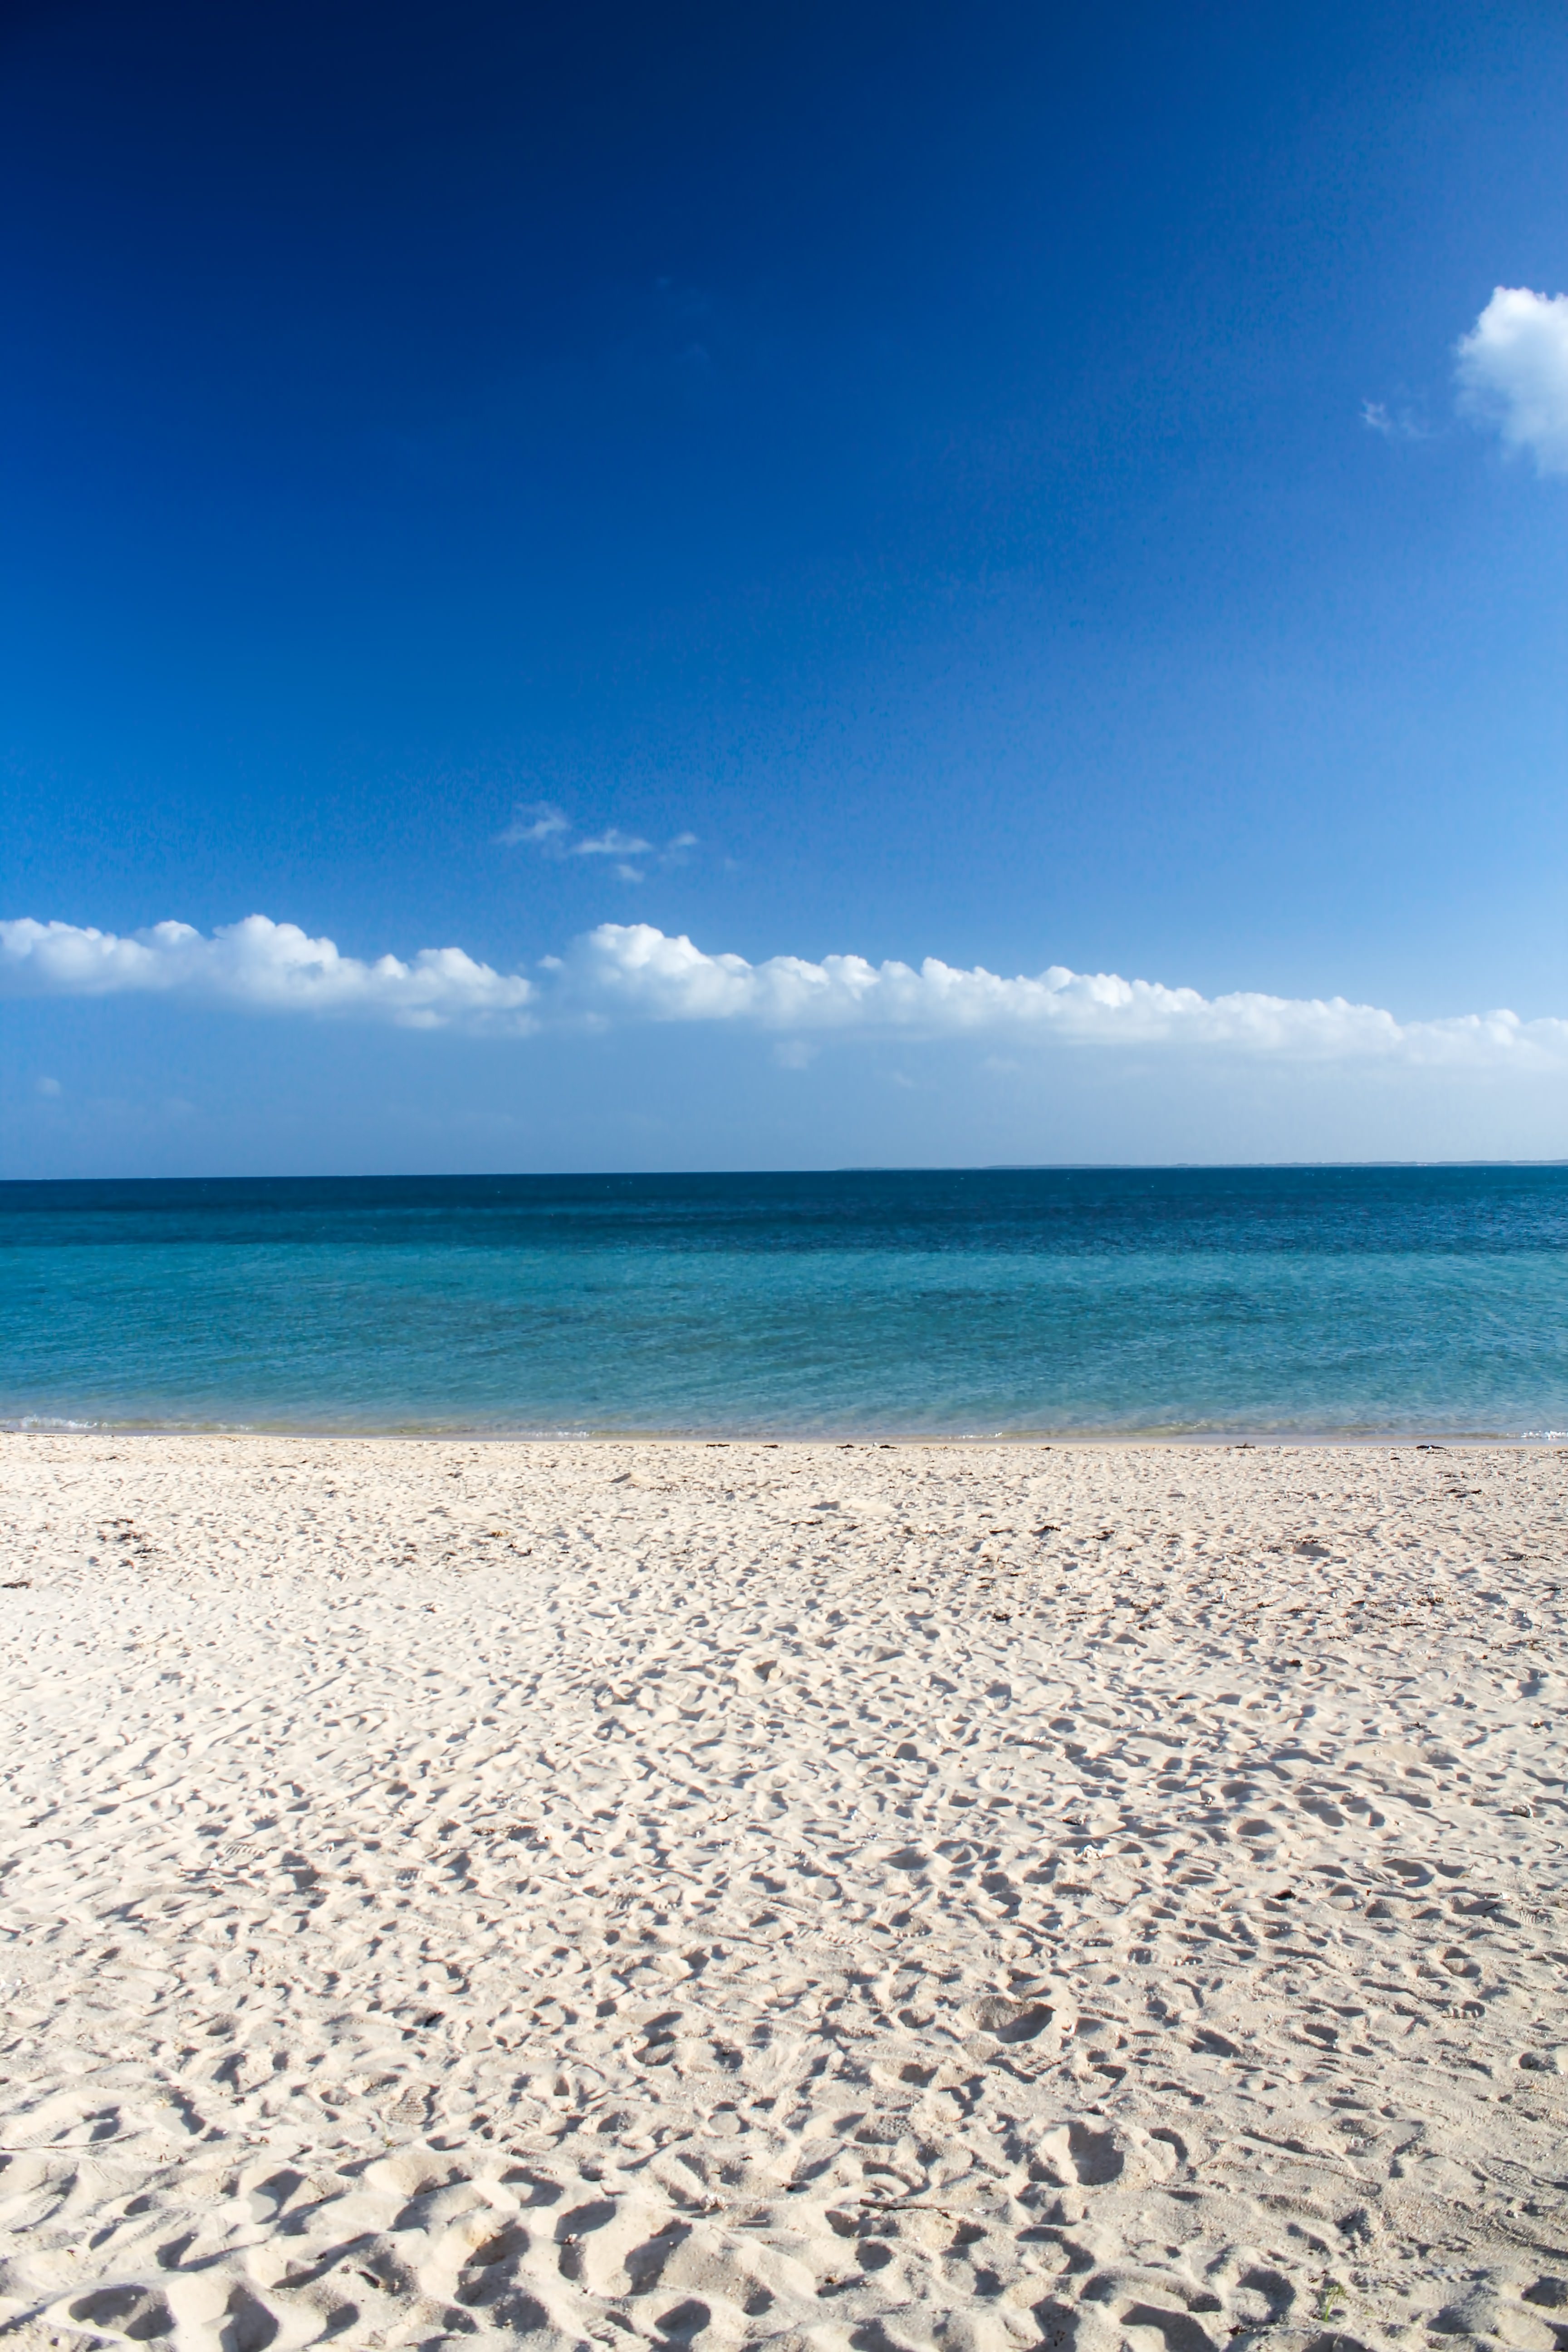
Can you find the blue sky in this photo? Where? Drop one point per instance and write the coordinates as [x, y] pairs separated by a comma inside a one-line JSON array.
[[1004, 485]]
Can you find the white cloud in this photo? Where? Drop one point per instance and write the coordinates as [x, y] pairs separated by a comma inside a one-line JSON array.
[[637, 971], [612, 842], [1513, 373], [633, 973], [538, 822], [540, 825], [269, 967], [1400, 424]]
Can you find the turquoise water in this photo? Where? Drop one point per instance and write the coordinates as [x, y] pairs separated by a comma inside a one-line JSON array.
[[1293, 1301]]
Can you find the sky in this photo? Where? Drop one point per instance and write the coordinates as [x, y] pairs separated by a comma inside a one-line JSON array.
[[695, 587]]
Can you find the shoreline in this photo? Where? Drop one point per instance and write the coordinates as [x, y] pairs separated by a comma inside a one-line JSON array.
[[1240, 1440], [959, 1898]]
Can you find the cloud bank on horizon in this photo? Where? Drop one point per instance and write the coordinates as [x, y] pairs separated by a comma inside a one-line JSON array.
[[635, 973], [1513, 373], [265, 966]]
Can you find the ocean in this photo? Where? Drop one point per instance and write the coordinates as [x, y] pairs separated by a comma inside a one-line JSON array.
[[1291, 1302]]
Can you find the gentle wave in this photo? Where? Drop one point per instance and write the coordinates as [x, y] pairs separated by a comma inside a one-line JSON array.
[[1264, 1305]]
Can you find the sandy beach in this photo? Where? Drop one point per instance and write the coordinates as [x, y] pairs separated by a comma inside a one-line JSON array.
[[852, 1897]]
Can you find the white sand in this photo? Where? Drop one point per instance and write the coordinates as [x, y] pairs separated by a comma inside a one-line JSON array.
[[835, 1896]]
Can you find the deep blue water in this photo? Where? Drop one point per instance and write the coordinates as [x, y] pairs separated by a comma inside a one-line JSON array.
[[1352, 1300]]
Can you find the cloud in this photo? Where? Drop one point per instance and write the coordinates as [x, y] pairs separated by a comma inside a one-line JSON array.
[[612, 842], [633, 972], [1513, 373], [540, 822], [1400, 424], [540, 825], [267, 967]]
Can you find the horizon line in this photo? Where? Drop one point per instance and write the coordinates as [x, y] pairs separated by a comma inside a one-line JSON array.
[[850, 1168]]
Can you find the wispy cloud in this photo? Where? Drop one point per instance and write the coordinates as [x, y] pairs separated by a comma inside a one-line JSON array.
[[540, 825], [612, 843], [633, 973], [1513, 373], [1400, 423], [621, 846]]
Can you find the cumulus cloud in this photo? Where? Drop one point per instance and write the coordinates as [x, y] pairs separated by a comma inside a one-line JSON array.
[[637, 971], [1513, 373], [633, 973], [266, 966]]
